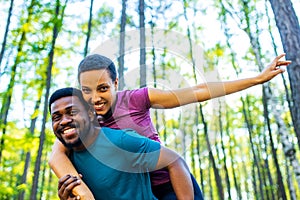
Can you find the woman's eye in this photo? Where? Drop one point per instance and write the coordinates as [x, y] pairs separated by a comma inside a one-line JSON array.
[[85, 90], [103, 89]]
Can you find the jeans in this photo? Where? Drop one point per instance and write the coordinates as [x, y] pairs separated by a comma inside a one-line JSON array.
[[165, 191]]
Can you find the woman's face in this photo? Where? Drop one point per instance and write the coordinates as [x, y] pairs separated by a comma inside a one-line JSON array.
[[99, 89]]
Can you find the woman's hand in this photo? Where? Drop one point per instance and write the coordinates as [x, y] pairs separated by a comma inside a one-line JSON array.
[[273, 69]]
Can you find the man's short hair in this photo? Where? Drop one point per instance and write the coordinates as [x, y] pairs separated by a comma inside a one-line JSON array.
[[66, 92]]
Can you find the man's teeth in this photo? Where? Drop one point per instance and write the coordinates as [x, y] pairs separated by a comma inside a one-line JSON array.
[[69, 130]]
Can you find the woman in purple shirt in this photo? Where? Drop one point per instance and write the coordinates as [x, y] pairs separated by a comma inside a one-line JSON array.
[[130, 108]]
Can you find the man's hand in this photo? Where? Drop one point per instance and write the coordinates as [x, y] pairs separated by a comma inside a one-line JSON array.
[[65, 186]]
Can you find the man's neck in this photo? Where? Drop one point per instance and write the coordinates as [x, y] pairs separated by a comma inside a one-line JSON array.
[[89, 139]]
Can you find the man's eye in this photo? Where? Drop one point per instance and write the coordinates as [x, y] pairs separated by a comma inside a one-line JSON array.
[[74, 112], [55, 118]]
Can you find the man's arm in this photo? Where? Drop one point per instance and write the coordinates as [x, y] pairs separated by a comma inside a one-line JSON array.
[[205, 91], [61, 165], [179, 173]]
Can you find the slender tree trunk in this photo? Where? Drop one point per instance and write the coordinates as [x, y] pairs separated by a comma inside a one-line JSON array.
[[289, 149], [57, 26], [254, 151], [287, 90], [224, 153], [199, 158], [255, 45], [210, 181], [88, 33], [122, 46], [143, 73], [49, 184], [211, 157], [281, 190], [6, 32], [293, 194], [236, 185], [8, 95], [28, 155], [289, 29], [42, 185]]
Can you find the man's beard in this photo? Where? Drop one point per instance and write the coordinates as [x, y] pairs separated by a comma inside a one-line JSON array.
[[77, 143]]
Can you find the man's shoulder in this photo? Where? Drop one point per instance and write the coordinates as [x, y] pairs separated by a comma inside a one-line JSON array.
[[120, 132]]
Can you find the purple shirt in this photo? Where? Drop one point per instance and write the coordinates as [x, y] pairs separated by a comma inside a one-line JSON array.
[[132, 111]]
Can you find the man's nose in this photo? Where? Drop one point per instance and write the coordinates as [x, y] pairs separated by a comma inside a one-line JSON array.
[[65, 120]]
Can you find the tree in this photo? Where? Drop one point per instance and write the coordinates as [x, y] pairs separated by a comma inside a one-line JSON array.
[[143, 74], [289, 30], [122, 46], [58, 19], [6, 32], [7, 97], [88, 33]]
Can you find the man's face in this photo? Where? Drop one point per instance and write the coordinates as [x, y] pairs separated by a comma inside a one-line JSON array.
[[71, 122]]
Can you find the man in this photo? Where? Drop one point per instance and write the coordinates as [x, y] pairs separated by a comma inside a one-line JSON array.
[[114, 163]]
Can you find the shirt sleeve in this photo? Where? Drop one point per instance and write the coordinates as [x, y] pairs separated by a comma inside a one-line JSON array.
[[140, 98], [142, 153]]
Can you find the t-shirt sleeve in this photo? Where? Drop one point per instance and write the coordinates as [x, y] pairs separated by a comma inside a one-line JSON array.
[[140, 98], [142, 152]]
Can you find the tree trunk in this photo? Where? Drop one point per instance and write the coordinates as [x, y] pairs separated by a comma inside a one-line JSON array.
[[143, 73], [289, 29], [122, 46], [57, 26], [88, 33], [6, 31], [224, 153], [258, 194], [28, 155], [8, 94], [236, 185], [211, 157]]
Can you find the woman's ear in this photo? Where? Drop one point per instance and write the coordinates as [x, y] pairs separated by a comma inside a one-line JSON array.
[[92, 114], [116, 84]]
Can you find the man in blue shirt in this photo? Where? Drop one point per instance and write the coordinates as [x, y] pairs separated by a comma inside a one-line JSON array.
[[114, 163]]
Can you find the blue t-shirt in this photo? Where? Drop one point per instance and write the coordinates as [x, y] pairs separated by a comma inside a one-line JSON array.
[[116, 165]]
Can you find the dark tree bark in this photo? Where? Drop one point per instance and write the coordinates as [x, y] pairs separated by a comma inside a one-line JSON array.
[[122, 46], [211, 156], [6, 32], [9, 92], [57, 26], [88, 33], [143, 73], [28, 155], [224, 153], [235, 180], [289, 29]]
